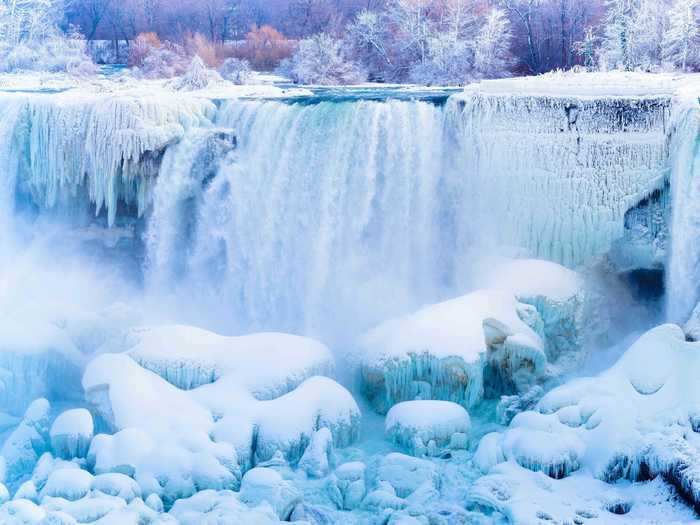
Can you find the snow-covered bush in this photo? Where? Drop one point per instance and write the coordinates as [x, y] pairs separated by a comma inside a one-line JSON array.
[[320, 60], [55, 52], [152, 58], [236, 70], [197, 76]]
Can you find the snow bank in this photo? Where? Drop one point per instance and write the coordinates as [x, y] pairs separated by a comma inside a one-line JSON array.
[[205, 436], [634, 421], [442, 350]]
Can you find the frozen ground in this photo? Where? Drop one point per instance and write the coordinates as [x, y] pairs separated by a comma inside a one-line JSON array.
[[449, 390]]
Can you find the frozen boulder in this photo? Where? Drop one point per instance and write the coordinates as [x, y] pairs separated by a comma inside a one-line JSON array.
[[118, 485], [406, 473], [37, 360], [70, 484], [24, 446], [27, 490], [266, 485], [633, 421], [319, 457], [443, 351], [554, 290], [71, 433], [209, 506], [415, 424], [350, 480], [268, 365]]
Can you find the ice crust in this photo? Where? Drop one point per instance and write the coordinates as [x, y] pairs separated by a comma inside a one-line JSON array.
[[442, 350]]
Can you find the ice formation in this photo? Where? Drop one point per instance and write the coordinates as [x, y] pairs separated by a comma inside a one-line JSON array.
[[455, 234], [444, 350]]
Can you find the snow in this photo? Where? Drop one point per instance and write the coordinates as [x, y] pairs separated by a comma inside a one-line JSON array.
[[444, 346], [266, 485], [415, 424], [634, 418], [71, 433], [267, 364]]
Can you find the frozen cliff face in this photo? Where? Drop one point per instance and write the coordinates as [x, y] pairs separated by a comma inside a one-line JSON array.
[[563, 170], [99, 147]]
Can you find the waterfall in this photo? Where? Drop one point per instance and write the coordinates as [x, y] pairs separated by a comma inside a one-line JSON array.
[[329, 213], [683, 275]]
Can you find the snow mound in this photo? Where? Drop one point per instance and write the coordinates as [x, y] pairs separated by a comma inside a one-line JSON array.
[[267, 364], [266, 485], [176, 453], [442, 351], [71, 433], [209, 506], [422, 425], [554, 290], [636, 421]]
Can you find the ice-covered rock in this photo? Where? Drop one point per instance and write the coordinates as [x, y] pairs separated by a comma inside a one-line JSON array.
[[444, 351], [555, 291], [118, 485], [71, 433], [633, 421], [24, 446], [415, 424], [209, 506], [406, 473], [267, 364], [37, 359], [531, 498], [71, 484], [266, 485], [351, 484], [319, 457]]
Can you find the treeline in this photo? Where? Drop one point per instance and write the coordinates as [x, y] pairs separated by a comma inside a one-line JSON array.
[[344, 41]]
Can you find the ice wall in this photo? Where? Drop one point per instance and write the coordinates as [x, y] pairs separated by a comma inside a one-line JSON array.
[[554, 175], [328, 216]]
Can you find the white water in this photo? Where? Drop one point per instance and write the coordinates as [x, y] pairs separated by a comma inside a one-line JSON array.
[[683, 274]]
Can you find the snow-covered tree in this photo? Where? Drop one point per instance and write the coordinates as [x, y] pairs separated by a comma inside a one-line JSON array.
[[587, 48], [320, 60], [492, 56], [681, 41], [618, 23], [369, 40]]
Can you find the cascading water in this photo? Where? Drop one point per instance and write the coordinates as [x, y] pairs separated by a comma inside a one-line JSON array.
[[683, 275], [326, 211]]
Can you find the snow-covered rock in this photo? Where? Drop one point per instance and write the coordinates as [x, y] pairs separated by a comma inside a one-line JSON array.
[[266, 485], [71, 433], [633, 421], [555, 291], [319, 457], [405, 474], [24, 446], [71, 484], [118, 485], [417, 425], [267, 364], [209, 506], [444, 351]]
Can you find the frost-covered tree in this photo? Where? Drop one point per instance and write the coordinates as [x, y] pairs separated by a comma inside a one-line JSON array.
[[369, 40], [320, 60], [30, 39], [617, 36], [681, 41], [587, 48], [492, 56]]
